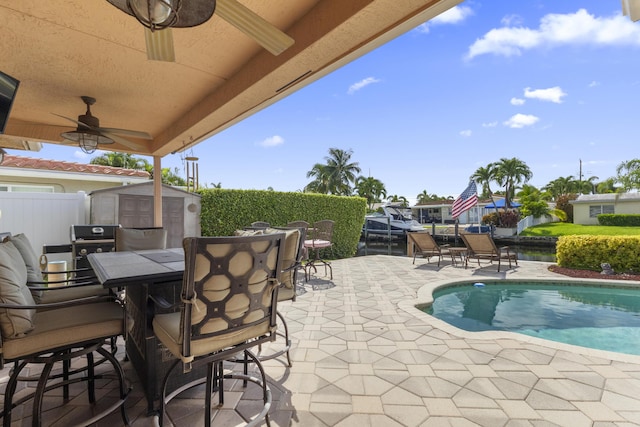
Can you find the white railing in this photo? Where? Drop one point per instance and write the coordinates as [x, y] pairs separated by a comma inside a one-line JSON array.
[[530, 221]]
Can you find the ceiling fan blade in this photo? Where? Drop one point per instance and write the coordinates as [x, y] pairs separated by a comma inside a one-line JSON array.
[[126, 132], [75, 121], [253, 25], [159, 45], [122, 140]]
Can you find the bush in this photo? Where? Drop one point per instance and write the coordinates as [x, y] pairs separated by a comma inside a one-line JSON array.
[[224, 211], [562, 203], [509, 219], [588, 252], [619, 220], [491, 219]]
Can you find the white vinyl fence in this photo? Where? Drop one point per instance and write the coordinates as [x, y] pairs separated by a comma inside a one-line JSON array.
[[45, 218], [530, 221]]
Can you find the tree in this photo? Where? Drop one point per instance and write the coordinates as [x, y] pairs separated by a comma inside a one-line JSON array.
[[561, 186], [628, 174], [121, 160], [171, 177], [484, 176], [509, 173], [531, 200], [398, 199], [128, 161], [588, 186], [607, 186], [336, 176], [371, 189], [425, 197], [320, 184]]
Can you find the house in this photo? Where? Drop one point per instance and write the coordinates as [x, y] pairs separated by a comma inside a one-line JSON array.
[[26, 174], [439, 212], [587, 207]]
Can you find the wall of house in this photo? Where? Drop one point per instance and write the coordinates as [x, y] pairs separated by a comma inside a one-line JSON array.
[[581, 210], [60, 185]]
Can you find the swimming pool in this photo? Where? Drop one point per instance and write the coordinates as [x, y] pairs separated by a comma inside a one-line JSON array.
[[600, 317]]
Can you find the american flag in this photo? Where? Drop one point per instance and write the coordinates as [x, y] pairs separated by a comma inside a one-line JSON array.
[[465, 201]]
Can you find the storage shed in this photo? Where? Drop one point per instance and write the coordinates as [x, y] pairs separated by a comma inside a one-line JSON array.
[[132, 206]]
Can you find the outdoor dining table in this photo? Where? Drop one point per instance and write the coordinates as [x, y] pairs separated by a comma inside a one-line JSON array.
[[142, 274]]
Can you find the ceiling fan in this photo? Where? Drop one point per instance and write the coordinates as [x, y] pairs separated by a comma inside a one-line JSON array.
[[89, 134], [158, 16]]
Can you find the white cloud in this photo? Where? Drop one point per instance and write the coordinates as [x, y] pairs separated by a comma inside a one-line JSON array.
[[519, 121], [517, 101], [362, 83], [552, 94], [511, 20], [576, 28], [594, 84], [466, 133], [272, 141], [490, 125], [79, 154], [455, 15]]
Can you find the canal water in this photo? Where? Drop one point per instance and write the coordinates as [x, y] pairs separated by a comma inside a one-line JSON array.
[[398, 247]]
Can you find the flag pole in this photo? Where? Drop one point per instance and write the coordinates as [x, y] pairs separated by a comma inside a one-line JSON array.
[[478, 206]]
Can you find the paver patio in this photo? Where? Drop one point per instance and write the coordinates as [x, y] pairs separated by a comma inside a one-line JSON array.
[[364, 356]]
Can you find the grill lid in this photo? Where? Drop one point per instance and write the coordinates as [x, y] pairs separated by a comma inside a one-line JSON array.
[[93, 232]]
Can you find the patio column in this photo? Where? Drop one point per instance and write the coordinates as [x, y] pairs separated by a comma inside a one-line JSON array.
[[157, 191]]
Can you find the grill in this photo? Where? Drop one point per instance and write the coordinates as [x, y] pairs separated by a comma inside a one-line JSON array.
[[91, 238]]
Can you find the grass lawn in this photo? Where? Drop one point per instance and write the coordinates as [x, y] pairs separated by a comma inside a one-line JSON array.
[[565, 229]]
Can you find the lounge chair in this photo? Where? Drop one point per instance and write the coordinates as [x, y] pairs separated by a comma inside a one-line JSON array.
[[425, 245], [481, 246]]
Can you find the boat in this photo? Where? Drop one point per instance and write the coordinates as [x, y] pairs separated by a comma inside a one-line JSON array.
[[391, 216]]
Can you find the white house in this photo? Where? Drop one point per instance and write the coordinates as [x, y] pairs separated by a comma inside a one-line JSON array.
[[26, 174], [587, 207]]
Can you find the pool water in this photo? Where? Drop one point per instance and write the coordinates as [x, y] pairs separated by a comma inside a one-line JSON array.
[[605, 318]]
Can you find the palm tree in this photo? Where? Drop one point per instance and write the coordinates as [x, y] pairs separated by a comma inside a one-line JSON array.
[[562, 185], [423, 197], [484, 176], [120, 160], [509, 173], [398, 199], [321, 182], [371, 189], [337, 175], [607, 186]]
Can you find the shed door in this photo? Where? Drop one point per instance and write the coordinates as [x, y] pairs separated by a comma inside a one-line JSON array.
[[137, 212]]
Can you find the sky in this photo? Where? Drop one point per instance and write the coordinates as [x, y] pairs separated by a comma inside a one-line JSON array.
[[553, 83]]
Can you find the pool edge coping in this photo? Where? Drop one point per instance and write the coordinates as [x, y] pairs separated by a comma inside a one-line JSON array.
[[425, 297]]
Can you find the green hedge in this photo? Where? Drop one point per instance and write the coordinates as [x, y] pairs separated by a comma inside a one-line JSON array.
[[619, 220], [224, 211], [588, 252]]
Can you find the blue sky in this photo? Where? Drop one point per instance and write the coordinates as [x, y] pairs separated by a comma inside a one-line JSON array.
[[549, 82]]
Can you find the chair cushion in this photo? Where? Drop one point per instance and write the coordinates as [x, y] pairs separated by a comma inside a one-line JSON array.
[[289, 258], [131, 239], [66, 294], [14, 290], [167, 328], [23, 245], [65, 326], [316, 243], [247, 232]]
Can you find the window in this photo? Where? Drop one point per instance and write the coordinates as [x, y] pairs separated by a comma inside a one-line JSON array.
[[596, 210], [26, 188]]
